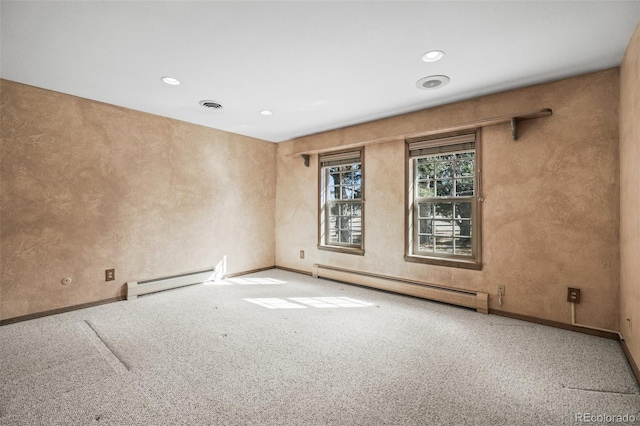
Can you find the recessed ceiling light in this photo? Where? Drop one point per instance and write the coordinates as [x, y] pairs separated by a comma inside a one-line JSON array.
[[266, 112], [433, 55], [170, 80], [432, 82]]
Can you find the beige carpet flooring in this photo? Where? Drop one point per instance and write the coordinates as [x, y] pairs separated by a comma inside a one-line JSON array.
[[278, 348]]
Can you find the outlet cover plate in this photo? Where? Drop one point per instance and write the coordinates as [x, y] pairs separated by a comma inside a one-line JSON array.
[[573, 295], [110, 275]]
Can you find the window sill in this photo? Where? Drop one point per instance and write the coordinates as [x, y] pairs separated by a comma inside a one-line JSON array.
[[438, 261], [339, 249]]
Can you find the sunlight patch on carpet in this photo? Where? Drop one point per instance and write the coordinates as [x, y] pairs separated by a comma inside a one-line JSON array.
[[316, 302], [331, 302], [246, 281], [275, 303]]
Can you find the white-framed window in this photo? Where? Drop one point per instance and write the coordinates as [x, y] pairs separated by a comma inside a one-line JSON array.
[[443, 209], [341, 201]]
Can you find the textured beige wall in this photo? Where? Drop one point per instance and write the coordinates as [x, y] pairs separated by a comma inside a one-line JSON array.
[[88, 186], [630, 196], [551, 209]]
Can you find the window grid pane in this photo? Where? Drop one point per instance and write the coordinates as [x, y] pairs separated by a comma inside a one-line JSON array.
[[345, 222], [344, 182], [442, 225], [341, 201], [344, 205]]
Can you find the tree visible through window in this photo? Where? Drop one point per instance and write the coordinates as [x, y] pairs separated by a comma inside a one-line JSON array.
[[443, 215], [444, 224], [341, 207]]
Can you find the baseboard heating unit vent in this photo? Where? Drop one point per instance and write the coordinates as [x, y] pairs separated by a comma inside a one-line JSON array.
[[468, 298], [138, 288]]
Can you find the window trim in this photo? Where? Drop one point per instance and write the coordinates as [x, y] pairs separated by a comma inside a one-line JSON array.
[[409, 217], [339, 248]]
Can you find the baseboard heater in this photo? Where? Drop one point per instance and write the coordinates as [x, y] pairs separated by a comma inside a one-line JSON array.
[[466, 298], [138, 288]]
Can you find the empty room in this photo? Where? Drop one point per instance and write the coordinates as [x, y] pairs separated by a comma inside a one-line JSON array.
[[319, 212]]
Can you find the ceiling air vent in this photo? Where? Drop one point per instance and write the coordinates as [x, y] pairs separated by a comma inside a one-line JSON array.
[[432, 82], [211, 104]]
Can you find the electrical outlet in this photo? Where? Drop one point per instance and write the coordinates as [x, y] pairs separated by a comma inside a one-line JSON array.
[[573, 295], [500, 294], [301, 254], [110, 275]]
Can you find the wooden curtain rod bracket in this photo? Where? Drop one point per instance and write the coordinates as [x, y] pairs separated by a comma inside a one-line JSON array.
[[305, 158], [514, 120], [514, 128]]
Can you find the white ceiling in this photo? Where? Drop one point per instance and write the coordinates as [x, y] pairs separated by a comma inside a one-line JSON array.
[[316, 65]]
